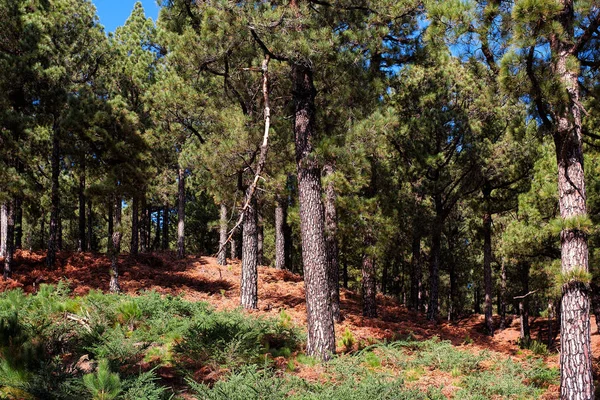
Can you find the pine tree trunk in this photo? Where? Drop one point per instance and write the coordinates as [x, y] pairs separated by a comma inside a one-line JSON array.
[[385, 277], [321, 331], [289, 245], [55, 201], [524, 304], [156, 244], [477, 298], [18, 223], [502, 310], [135, 232], [396, 291], [487, 272], [149, 228], [452, 304], [331, 242], [181, 214], [550, 322], [416, 275], [434, 270], [345, 275], [90, 223], [280, 218], [576, 353], [3, 229], [81, 243], [222, 256], [144, 225], [524, 321], [42, 230], [233, 244], [165, 227], [249, 283], [10, 245], [596, 303], [260, 242], [369, 284], [576, 381], [111, 221], [59, 240], [115, 244]]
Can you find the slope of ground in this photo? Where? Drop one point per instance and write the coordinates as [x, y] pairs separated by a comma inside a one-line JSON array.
[[200, 278]]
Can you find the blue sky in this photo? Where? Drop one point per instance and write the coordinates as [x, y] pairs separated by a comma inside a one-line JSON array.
[[113, 13]]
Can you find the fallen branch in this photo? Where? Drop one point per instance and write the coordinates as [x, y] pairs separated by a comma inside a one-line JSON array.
[[80, 320]]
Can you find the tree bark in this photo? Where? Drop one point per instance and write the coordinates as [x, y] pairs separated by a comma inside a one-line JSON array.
[[487, 271], [576, 380], [550, 322], [143, 225], [3, 229], [525, 334], [331, 243], [416, 281], [502, 310], [321, 331], [165, 227], [156, 244], [434, 270], [280, 218], [55, 201], [18, 223], [42, 229], [111, 221], [115, 243], [233, 244], [10, 245], [260, 242], [369, 284], [452, 303], [249, 283], [596, 303], [385, 277], [90, 223], [222, 256], [181, 214], [81, 243], [135, 231]]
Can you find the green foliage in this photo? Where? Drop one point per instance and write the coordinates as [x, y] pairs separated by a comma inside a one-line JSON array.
[[171, 331], [537, 347], [347, 341], [231, 339], [103, 384], [577, 223], [345, 377], [143, 387], [575, 275]]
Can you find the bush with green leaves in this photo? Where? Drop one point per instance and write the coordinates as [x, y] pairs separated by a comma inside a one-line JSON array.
[[232, 339], [44, 338], [382, 371]]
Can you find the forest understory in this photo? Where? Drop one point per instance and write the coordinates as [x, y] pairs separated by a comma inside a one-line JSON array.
[[443, 360]]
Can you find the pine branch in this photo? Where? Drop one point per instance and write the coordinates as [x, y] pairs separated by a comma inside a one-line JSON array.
[[587, 35], [525, 295], [263, 152]]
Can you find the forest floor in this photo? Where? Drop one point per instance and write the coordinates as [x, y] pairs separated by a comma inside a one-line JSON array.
[[201, 279]]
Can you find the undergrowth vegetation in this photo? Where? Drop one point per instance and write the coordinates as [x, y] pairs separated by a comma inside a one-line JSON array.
[[104, 346]]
